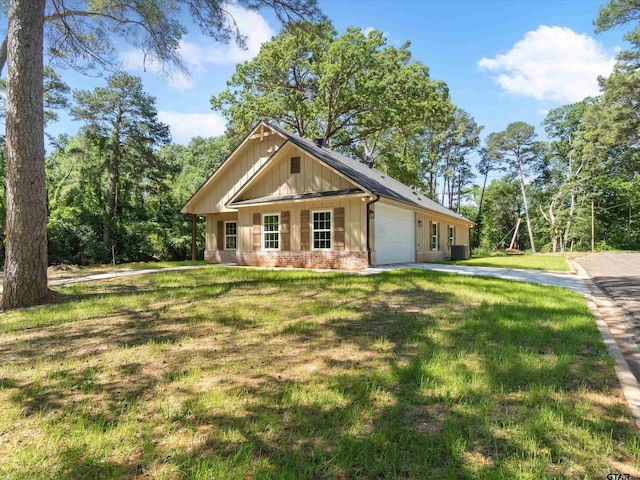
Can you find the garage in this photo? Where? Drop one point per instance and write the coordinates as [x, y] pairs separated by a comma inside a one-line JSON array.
[[394, 234]]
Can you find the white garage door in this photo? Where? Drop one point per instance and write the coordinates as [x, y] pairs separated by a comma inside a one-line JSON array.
[[395, 234]]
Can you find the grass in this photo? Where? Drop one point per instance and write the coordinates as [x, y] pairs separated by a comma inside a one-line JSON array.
[[527, 262], [240, 373]]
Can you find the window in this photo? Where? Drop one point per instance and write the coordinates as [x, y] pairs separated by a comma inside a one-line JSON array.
[[434, 236], [295, 164], [322, 230], [230, 235], [271, 231], [452, 235]]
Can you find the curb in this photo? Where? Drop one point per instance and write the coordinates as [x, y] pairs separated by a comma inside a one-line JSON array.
[[610, 321]]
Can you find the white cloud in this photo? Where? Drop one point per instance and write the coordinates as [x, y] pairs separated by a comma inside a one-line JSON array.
[[206, 52], [551, 63], [185, 126], [543, 111], [366, 31]]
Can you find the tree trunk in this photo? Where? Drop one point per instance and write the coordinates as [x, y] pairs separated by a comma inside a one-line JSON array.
[[113, 181], [479, 217], [526, 208], [572, 210], [25, 282]]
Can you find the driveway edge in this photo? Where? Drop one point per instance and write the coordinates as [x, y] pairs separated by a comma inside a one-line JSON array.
[[608, 318]]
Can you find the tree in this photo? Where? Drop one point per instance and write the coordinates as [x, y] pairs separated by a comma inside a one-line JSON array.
[[453, 144], [195, 163], [25, 281], [613, 124], [617, 13], [353, 90], [55, 95], [122, 119], [503, 208], [519, 150], [490, 160], [80, 38], [568, 168]]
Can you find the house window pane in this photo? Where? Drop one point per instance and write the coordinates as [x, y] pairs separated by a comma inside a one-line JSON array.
[[452, 236], [271, 232], [322, 230], [434, 236], [230, 235]]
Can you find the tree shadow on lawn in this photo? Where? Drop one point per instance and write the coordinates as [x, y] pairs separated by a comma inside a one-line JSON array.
[[408, 424], [493, 391]]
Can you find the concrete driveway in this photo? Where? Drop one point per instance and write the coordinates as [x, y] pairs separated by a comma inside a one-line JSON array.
[[557, 279]]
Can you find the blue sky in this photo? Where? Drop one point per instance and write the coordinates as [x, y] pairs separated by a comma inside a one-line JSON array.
[[503, 60]]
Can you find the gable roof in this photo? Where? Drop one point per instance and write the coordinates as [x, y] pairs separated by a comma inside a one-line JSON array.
[[371, 179]]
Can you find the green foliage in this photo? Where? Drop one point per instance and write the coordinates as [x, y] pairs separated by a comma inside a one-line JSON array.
[[520, 152], [113, 195], [617, 13], [502, 208], [83, 38], [452, 147], [567, 170], [362, 96], [150, 224], [56, 95]]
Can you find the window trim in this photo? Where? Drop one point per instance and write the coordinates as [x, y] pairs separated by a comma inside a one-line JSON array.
[[452, 235], [226, 235], [330, 230], [264, 232], [435, 236]]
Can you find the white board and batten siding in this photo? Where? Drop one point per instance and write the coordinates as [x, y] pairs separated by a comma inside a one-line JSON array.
[[395, 234]]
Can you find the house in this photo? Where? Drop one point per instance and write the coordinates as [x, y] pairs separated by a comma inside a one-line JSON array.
[[282, 200]]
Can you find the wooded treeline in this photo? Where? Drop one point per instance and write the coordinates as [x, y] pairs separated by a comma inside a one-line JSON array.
[[114, 190]]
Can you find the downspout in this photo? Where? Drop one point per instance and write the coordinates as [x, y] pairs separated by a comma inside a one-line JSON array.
[[369, 227]]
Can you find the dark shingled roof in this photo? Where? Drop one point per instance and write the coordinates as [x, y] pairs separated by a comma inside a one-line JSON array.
[[369, 178], [298, 196]]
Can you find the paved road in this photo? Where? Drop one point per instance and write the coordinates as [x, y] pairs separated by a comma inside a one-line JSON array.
[[618, 276]]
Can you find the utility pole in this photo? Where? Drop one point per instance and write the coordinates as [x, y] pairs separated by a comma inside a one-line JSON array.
[[629, 229], [593, 226]]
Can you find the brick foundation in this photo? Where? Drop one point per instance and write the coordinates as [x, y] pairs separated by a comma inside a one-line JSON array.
[[430, 256], [339, 259], [220, 256]]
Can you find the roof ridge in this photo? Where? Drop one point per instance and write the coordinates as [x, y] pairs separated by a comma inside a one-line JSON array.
[[372, 179]]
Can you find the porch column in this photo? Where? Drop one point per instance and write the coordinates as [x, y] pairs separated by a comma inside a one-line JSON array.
[[194, 246]]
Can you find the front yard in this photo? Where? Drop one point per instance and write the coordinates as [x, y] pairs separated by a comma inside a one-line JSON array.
[[240, 373], [550, 262]]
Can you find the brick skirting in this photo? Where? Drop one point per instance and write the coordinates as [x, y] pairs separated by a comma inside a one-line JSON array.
[[220, 256], [335, 259], [432, 256]]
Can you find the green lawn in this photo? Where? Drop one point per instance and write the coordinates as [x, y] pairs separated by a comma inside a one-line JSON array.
[[528, 262], [241, 373]]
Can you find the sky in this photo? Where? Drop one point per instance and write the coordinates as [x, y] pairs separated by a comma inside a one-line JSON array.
[[503, 60]]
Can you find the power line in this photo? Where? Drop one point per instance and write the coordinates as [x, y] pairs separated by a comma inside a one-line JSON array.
[[630, 202]]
